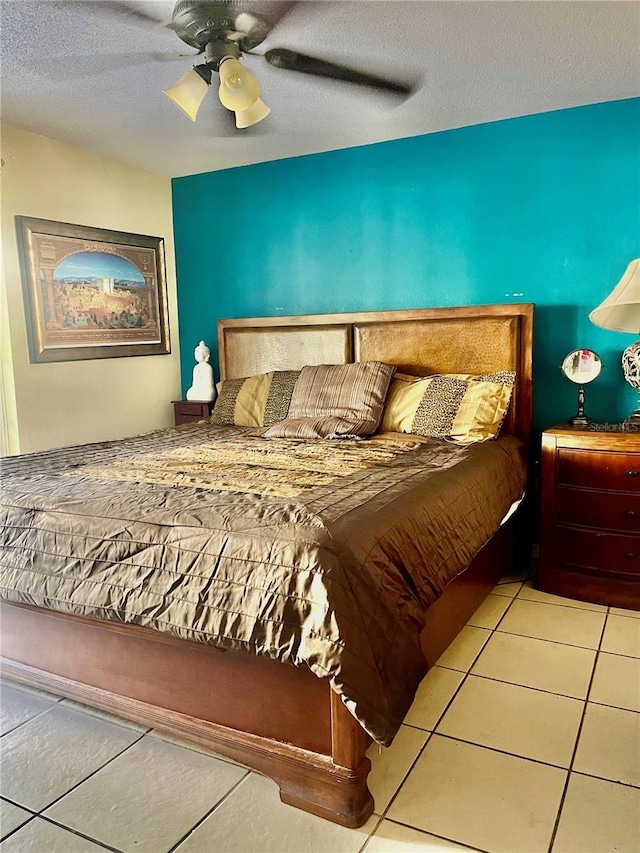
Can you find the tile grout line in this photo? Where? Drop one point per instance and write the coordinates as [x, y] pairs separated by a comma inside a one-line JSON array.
[[527, 686], [14, 803], [615, 707], [497, 625], [529, 758], [594, 609], [431, 731], [504, 752], [34, 815], [371, 834], [556, 825], [29, 820], [466, 675], [90, 775], [625, 615], [436, 835], [551, 604], [30, 719], [207, 814], [542, 640], [384, 812], [603, 779], [73, 831]]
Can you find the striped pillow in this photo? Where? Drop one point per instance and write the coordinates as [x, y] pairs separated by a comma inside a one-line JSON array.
[[460, 407], [255, 401], [336, 401]]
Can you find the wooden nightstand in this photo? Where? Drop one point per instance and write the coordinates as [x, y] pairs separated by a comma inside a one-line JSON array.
[[590, 519], [189, 411]]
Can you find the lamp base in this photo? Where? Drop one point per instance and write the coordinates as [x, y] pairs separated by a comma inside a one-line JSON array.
[[579, 421]]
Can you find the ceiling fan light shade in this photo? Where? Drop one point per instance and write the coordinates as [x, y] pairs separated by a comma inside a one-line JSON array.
[[239, 88], [255, 113], [190, 91]]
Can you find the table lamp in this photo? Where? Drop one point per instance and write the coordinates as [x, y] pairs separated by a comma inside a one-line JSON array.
[[620, 311]]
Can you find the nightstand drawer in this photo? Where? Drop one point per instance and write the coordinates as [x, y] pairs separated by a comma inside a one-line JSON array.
[[593, 469], [591, 549], [189, 411], [188, 418], [192, 409], [604, 510]]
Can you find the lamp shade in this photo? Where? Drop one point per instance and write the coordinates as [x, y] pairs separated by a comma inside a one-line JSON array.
[[255, 113], [190, 90], [620, 311], [239, 88]]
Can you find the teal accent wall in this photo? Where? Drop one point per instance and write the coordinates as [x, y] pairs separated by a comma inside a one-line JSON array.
[[542, 209]]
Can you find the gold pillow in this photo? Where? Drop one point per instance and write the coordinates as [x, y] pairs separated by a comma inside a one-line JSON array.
[[255, 401], [403, 399], [459, 407]]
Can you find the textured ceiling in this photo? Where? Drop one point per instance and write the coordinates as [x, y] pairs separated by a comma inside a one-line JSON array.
[[89, 73]]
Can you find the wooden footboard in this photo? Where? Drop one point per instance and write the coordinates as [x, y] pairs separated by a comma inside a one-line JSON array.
[[278, 719]]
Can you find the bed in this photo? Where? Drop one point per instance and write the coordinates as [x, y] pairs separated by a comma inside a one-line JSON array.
[[309, 733]]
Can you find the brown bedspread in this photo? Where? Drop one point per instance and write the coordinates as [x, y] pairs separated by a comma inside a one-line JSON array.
[[323, 554]]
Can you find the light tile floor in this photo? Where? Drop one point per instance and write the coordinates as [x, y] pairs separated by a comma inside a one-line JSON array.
[[524, 738]]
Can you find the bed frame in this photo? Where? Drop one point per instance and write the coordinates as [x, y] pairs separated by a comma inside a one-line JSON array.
[[273, 717]]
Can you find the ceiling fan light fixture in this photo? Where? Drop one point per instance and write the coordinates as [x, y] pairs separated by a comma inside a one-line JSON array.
[[190, 90], [255, 113], [239, 88]]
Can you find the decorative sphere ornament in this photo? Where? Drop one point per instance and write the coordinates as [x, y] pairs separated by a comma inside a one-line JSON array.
[[631, 365], [631, 368]]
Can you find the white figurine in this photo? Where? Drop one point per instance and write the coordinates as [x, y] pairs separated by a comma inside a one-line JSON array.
[[202, 388]]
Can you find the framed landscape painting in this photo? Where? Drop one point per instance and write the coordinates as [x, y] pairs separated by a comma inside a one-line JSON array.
[[92, 293]]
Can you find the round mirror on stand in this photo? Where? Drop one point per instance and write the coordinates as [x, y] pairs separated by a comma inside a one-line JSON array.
[[581, 367]]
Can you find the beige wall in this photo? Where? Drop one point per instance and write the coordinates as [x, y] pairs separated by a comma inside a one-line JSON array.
[[51, 405]]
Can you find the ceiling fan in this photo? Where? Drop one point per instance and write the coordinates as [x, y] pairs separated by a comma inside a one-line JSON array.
[[222, 31]]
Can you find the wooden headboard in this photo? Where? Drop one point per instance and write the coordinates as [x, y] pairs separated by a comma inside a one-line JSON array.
[[470, 339]]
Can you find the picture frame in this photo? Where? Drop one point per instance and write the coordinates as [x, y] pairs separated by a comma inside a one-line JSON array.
[[92, 292]]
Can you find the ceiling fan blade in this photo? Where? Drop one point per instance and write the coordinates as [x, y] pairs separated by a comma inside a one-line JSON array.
[[128, 11], [271, 12], [91, 65], [74, 67], [294, 61], [169, 57]]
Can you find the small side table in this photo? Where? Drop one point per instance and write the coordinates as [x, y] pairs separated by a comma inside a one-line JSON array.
[[590, 531], [189, 411]]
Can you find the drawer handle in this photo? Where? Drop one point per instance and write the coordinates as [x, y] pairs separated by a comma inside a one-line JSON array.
[[631, 556], [630, 513], [633, 473]]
